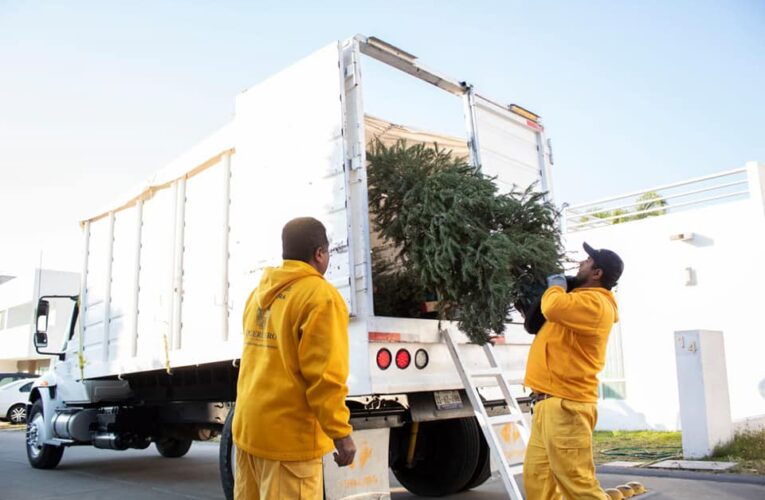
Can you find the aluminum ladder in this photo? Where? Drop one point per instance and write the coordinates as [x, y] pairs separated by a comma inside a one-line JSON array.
[[487, 422]]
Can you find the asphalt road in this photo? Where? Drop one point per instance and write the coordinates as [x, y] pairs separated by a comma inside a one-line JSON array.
[[87, 473]]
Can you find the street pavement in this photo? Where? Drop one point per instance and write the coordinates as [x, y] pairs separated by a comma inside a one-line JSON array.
[[87, 473]]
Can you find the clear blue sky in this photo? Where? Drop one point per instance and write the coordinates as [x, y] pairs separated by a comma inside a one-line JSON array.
[[95, 96]]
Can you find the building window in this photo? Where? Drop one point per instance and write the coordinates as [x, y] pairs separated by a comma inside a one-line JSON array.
[[612, 382]]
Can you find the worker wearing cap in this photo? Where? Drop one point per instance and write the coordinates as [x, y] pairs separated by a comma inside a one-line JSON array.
[[565, 358], [290, 407]]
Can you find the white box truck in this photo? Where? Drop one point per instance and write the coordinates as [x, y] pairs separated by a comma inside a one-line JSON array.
[[152, 352]]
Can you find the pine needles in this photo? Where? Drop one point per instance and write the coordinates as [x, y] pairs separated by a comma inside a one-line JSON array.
[[477, 250]]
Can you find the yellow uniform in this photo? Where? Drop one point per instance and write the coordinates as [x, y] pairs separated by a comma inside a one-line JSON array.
[[292, 380], [565, 358]]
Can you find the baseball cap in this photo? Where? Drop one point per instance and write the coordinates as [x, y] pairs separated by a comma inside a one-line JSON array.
[[608, 261]]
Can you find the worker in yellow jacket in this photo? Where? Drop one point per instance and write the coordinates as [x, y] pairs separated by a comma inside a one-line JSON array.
[[290, 407], [565, 358]]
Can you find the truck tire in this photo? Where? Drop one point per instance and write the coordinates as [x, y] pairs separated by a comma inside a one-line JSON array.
[[446, 457], [483, 468], [40, 456], [172, 447], [227, 456]]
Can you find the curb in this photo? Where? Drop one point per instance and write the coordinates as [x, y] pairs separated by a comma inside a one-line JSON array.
[[723, 477], [12, 427]]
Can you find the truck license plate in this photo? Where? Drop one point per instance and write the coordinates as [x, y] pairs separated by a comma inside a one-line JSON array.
[[447, 400]]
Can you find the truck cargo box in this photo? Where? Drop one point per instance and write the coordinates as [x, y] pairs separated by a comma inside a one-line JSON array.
[[168, 267]]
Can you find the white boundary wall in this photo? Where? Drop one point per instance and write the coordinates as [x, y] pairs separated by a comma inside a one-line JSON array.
[[658, 295]]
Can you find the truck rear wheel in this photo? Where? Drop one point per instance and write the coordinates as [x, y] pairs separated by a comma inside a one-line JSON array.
[[40, 456], [227, 457], [446, 457], [483, 468], [172, 447]]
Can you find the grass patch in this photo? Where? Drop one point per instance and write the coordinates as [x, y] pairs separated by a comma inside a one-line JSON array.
[[635, 446], [747, 448]]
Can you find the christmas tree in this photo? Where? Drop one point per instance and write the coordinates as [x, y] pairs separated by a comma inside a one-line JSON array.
[[455, 238]]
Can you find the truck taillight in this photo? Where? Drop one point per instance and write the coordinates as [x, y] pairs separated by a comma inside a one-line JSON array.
[[383, 358], [403, 358], [421, 358]]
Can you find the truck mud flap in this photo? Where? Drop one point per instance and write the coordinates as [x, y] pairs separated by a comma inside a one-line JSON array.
[[367, 477]]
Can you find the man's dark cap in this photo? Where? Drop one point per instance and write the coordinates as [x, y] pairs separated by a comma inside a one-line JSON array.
[[609, 262]]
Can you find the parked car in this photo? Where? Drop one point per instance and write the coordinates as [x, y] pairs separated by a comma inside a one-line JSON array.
[[13, 400], [7, 378]]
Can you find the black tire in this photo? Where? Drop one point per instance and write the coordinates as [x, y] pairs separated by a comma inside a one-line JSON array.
[[483, 467], [17, 414], [172, 447], [40, 456], [227, 457], [445, 460]]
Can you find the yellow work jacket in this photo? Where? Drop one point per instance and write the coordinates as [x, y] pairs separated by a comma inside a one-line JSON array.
[[570, 349], [292, 378]]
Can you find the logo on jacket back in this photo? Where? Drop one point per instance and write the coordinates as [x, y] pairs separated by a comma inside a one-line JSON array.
[[260, 337]]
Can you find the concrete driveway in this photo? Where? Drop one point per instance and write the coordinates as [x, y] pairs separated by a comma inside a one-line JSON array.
[[87, 473]]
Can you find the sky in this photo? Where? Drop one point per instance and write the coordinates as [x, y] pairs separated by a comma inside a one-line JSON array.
[[96, 96]]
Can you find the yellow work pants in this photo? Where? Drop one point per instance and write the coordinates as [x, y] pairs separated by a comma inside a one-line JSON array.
[[262, 479], [558, 462]]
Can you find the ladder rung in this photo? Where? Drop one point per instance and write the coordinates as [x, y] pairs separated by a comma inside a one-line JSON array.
[[507, 418], [487, 372], [516, 469]]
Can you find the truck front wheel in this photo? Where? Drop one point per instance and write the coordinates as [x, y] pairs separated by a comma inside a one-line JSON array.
[[172, 447], [40, 456]]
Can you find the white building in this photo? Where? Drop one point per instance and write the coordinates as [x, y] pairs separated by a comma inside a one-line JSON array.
[[697, 263], [18, 302]]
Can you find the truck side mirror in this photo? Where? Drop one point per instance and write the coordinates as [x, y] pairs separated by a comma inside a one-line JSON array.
[[41, 340], [41, 335]]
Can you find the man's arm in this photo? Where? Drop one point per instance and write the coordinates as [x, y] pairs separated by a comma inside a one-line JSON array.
[[573, 310], [323, 356]]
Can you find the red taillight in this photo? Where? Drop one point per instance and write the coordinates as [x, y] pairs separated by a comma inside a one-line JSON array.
[[383, 358], [403, 358]]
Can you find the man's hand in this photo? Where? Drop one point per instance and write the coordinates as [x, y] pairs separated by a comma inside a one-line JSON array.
[[346, 450], [557, 280]]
